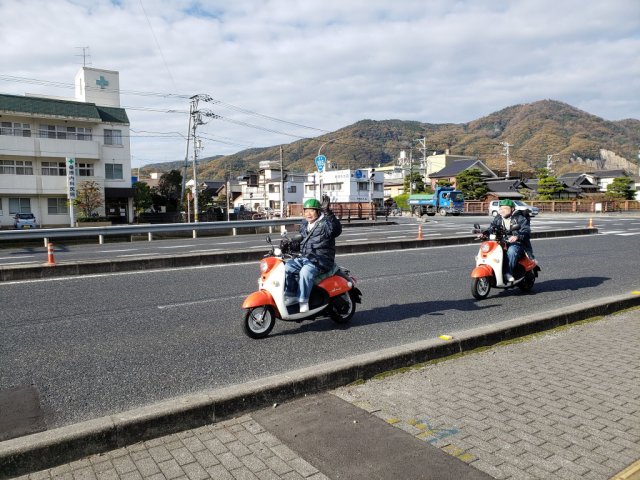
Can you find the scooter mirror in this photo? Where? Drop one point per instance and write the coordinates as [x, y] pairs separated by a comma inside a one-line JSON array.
[[514, 227], [268, 238], [476, 226], [296, 238]]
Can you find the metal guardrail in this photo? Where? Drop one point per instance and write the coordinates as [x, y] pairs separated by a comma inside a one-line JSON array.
[[46, 234]]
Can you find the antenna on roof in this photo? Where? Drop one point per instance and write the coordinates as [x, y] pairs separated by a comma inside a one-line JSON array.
[[85, 54]]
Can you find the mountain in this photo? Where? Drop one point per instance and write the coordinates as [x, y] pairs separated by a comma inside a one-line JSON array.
[[577, 140]]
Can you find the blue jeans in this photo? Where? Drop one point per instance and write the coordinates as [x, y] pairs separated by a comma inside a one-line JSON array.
[[300, 273], [514, 253]]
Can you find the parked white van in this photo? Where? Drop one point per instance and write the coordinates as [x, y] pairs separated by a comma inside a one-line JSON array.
[[493, 207]]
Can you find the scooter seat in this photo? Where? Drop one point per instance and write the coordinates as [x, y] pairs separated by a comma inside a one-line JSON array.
[[318, 278]]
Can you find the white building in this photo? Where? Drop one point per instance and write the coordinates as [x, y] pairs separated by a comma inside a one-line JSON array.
[[362, 186], [261, 190], [38, 134]]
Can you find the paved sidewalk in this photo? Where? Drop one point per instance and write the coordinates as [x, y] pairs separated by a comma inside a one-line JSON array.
[[564, 404]]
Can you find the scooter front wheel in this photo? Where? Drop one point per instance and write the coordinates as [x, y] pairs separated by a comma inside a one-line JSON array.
[[480, 287], [259, 321], [342, 308]]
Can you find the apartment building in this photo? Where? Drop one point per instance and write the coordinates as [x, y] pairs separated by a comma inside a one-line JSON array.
[[38, 134]]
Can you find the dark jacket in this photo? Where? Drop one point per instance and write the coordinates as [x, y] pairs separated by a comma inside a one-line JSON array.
[[518, 218], [319, 245]]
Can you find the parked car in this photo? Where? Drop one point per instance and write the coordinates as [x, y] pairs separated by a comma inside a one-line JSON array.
[[25, 220], [493, 207]]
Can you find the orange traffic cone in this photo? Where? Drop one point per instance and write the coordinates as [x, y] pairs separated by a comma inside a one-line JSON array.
[[420, 232], [50, 259], [590, 223]]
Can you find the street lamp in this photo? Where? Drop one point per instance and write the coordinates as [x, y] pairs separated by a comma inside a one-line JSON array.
[[371, 178]]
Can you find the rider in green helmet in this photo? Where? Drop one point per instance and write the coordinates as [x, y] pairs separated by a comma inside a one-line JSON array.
[[319, 230], [507, 218]]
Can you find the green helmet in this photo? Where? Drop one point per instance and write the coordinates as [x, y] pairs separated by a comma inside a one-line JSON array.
[[312, 203], [507, 203]]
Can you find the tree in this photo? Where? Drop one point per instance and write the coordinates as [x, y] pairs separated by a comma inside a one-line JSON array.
[[169, 187], [620, 189], [471, 184], [89, 198], [418, 183], [142, 198], [548, 185], [443, 182]]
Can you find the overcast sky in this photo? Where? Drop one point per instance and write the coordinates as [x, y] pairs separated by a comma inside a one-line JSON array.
[[280, 70]]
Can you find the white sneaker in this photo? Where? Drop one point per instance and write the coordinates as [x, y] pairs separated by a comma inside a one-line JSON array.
[[508, 277], [290, 301], [304, 307]]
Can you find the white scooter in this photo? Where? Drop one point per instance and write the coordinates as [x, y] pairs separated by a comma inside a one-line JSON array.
[[334, 293], [489, 264]]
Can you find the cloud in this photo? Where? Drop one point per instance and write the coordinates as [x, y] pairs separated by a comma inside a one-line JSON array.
[[325, 64]]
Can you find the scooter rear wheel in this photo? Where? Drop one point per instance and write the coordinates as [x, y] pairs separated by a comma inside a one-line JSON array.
[[480, 287], [258, 321], [342, 308], [527, 282]]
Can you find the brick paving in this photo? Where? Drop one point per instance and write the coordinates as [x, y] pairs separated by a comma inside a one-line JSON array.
[[563, 405], [560, 405], [238, 449]]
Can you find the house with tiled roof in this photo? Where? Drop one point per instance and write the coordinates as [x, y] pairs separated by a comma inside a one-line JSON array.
[[50, 146], [455, 168]]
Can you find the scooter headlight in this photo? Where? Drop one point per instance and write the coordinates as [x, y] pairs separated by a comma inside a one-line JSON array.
[[263, 266], [277, 252], [484, 248]]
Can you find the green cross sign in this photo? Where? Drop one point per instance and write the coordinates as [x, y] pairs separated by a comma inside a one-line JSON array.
[[102, 82]]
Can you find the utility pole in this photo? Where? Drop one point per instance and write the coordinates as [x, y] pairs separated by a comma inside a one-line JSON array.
[[423, 143], [506, 146], [282, 209], [195, 121]]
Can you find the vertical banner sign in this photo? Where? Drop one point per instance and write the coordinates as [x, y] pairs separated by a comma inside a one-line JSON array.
[[71, 187], [321, 161]]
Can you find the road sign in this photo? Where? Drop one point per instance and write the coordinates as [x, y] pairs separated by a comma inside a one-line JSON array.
[[321, 161], [71, 178], [358, 173]]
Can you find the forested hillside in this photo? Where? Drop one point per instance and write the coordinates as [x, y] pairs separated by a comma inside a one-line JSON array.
[[578, 140]]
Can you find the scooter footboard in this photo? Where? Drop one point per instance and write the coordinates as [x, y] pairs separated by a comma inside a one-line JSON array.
[[482, 271], [258, 299]]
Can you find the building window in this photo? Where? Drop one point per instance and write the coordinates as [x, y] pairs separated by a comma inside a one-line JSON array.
[[57, 169], [1, 213], [85, 169], [274, 188], [363, 186], [332, 187], [291, 189], [113, 137], [84, 133], [311, 188], [16, 167], [16, 129], [19, 205], [63, 132], [113, 171], [57, 206]]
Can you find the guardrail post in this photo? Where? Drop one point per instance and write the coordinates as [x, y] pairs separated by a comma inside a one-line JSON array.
[[149, 236], [234, 231], [46, 242], [101, 239], [195, 234]]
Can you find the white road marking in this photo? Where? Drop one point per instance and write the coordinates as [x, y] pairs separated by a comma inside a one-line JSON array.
[[14, 258], [137, 255], [629, 233], [209, 250], [116, 251], [198, 302], [178, 246]]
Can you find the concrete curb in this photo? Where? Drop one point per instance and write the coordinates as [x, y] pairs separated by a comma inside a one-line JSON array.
[[48, 449], [14, 273]]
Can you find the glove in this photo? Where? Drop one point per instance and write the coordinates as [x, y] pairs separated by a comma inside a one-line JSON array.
[[326, 204]]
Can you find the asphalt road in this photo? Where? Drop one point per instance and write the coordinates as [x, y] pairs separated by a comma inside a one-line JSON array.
[[405, 228], [102, 344]]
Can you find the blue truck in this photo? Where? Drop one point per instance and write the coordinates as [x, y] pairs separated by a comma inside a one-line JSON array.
[[445, 201]]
